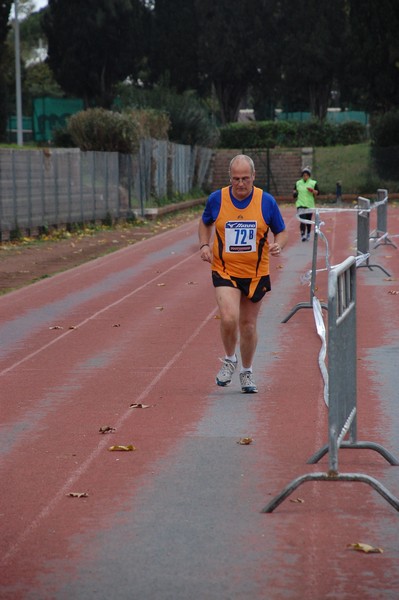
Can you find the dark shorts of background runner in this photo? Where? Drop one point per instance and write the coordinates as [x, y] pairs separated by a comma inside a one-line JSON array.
[[262, 285]]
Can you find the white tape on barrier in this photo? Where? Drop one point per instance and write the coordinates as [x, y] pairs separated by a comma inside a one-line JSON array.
[[321, 330]]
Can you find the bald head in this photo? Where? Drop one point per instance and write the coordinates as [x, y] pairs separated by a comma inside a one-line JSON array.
[[241, 159]]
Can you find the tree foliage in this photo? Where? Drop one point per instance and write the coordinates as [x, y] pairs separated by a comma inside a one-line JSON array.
[[261, 53], [372, 72], [312, 43], [231, 44], [94, 44], [173, 53]]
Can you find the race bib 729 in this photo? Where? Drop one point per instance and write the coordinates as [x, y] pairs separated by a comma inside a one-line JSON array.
[[240, 236]]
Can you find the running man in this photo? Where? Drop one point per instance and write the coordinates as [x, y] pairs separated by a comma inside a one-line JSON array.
[[241, 216]]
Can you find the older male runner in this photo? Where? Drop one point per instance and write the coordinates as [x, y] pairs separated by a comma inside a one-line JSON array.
[[241, 216]]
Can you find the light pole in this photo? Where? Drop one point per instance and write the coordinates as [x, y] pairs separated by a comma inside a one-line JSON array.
[[18, 92]]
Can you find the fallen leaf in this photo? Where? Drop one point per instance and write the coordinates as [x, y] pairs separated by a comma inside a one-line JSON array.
[[106, 429], [389, 279], [297, 500], [161, 284], [393, 292], [279, 267], [116, 325], [128, 448], [56, 327], [365, 548], [78, 494], [159, 307], [139, 405], [192, 283], [72, 327], [245, 441], [217, 317]]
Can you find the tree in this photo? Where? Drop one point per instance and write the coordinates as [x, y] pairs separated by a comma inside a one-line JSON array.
[[173, 56], [94, 44], [231, 43], [312, 43], [372, 73]]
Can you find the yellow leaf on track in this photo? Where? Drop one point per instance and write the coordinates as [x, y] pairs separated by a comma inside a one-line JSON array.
[[365, 548], [128, 448], [245, 441]]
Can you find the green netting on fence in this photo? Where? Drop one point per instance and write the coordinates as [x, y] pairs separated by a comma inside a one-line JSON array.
[[52, 113]]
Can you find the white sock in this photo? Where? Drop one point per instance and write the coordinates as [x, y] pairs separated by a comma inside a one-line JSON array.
[[231, 358], [245, 369]]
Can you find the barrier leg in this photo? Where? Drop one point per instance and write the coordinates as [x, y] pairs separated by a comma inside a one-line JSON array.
[[298, 307], [295, 483], [389, 457], [371, 267]]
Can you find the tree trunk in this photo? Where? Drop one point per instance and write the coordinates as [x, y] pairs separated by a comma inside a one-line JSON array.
[[319, 96], [230, 98]]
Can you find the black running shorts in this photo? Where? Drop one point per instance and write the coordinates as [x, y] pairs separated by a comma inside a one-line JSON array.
[[254, 289]]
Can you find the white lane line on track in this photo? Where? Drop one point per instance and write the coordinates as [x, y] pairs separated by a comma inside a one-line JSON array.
[[16, 548], [94, 315]]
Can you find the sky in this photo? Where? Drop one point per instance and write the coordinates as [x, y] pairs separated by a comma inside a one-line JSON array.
[[40, 4]]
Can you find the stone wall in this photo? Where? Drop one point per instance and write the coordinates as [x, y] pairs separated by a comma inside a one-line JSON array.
[[284, 168]]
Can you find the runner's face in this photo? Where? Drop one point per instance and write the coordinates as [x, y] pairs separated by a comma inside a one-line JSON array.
[[242, 179]]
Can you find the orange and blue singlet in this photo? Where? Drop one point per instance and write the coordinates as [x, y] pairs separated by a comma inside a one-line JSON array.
[[240, 247]]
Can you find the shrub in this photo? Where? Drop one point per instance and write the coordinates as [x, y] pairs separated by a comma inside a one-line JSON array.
[[351, 132], [152, 123], [314, 133], [62, 138], [190, 121], [103, 130], [291, 134], [384, 129]]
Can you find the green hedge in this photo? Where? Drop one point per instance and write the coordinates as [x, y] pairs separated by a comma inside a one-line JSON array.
[[384, 129], [291, 134]]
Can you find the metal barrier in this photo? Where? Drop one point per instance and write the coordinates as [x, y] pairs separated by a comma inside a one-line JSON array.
[[342, 387], [363, 234], [380, 234], [317, 233]]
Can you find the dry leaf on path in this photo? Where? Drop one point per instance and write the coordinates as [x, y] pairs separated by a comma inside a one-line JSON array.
[[56, 327], [245, 441], [297, 500], [106, 429], [128, 448], [139, 405], [393, 292], [365, 548], [161, 284], [78, 494], [159, 307]]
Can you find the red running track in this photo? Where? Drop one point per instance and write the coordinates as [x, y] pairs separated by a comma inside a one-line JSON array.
[[180, 517]]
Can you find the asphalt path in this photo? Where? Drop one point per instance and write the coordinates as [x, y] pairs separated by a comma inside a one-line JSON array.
[[180, 516]]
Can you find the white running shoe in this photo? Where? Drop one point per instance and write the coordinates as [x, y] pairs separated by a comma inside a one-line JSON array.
[[248, 385], [225, 374]]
